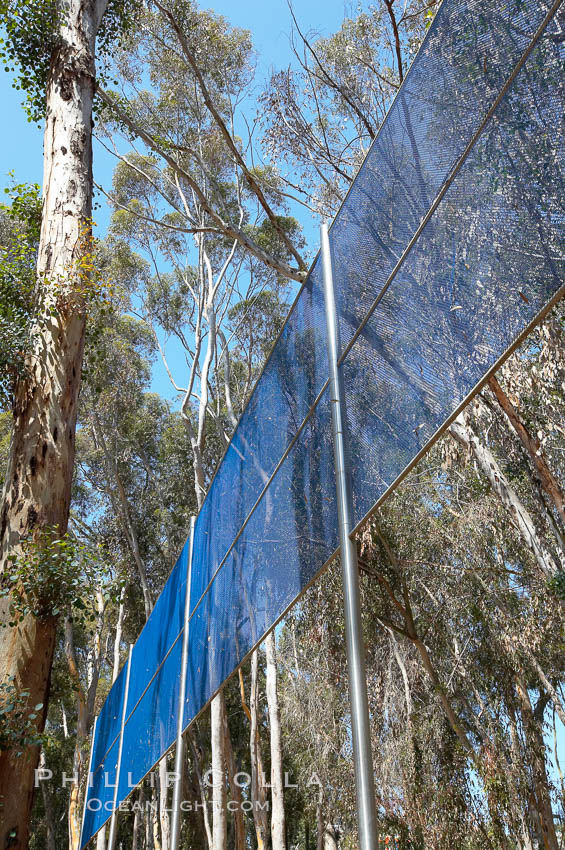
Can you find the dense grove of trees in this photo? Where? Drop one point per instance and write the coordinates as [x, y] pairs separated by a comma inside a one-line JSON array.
[[462, 570]]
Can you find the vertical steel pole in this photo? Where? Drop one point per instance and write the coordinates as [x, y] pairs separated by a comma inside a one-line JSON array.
[[114, 818], [360, 728], [92, 739], [179, 754]]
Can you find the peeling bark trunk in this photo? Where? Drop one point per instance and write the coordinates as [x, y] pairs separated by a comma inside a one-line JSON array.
[[535, 746], [518, 513], [533, 448], [38, 480], [258, 795], [219, 795], [278, 832], [235, 789]]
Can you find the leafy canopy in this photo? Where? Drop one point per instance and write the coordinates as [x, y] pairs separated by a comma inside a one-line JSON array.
[[35, 29], [20, 223]]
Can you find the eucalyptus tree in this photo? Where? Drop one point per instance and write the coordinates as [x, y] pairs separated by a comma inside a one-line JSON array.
[[54, 47], [320, 114], [200, 71]]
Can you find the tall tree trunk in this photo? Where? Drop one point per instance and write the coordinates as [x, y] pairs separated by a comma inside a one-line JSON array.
[[532, 446], [519, 515], [156, 831], [330, 837], [278, 832], [137, 818], [535, 747], [48, 809], [118, 635], [81, 736], [85, 698], [38, 480], [320, 822], [514, 785], [119, 499], [202, 790], [219, 795], [235, 789], [258, 795]]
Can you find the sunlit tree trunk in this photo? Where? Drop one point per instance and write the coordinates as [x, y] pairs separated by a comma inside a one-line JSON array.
[[163, 800], [219, 795], [517, 512], [536, 753], [258, 795], [278, 831], [38, 481]]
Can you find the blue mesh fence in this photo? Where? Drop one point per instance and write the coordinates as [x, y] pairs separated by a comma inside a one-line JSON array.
[[447, 247]]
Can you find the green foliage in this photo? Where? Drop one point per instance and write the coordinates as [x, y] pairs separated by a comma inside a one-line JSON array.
[[18, 728], [48, 575], [20, 223], [35, 29], [31, 35], [270, 241], [556, 585]]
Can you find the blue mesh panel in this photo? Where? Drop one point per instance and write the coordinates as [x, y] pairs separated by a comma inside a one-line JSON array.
[[151, 728], [486, 263], [100, 794], [470, 51], [160, 631], [488, 260], [289, 537], [277, 407], [109, 720]]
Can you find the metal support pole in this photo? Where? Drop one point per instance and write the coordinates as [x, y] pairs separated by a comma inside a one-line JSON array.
[[360, 729], [114, 818], [179, 754], [92, 739]]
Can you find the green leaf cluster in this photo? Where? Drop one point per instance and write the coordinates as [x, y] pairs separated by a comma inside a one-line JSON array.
[[20, 224], [18, 729], [34, 30], [48, 575], [31, 28]]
